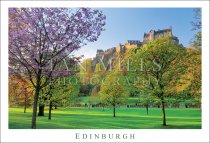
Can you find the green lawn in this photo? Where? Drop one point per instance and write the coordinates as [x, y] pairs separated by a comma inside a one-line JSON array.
[[95, 118]]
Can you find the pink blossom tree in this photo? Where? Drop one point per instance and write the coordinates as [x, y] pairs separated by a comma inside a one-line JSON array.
[[40, 38]]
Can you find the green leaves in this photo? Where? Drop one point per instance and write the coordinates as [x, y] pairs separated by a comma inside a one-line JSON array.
[[113, 90], [64, 91], [162, 62]]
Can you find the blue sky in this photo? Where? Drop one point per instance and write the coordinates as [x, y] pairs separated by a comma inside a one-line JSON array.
[[130, 24]]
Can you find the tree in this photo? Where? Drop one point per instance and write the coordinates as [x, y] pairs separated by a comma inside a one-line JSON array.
[[160, 64], [113, 91], [63, 93], [57, 80], [26, 93], [85, 89], [191, 79], [92, 101], [196, 40], [20, 91], [197, 25], [13, 87], [40, 38], [194, 68], [146, 99]]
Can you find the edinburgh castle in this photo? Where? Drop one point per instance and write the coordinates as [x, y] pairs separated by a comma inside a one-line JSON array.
[[152, 34]]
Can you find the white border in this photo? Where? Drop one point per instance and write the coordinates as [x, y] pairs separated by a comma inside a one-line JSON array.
[[185, 135]]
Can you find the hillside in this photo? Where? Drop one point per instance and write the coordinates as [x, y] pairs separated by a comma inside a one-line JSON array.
[[93, 71]]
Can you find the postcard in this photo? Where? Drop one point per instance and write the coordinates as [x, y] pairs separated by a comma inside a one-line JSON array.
[[105, 71]]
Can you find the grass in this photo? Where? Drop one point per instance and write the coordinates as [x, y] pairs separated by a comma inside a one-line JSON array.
[[96, 118]]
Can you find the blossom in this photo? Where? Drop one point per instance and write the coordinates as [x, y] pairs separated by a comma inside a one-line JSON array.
[[40, 35]]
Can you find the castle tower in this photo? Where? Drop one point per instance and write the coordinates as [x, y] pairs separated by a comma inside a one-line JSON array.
[[155, 34], [99, 52]]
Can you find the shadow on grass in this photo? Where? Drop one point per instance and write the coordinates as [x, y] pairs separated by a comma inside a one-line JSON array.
[[98, 119]]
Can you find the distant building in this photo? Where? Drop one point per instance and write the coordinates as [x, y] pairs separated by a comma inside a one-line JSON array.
[[155, 34], [133, 42], [111, 50], [120, 48], [99, 52]]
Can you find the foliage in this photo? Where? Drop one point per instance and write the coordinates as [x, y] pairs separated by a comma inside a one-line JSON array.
[[86, 71], [85, 89], [146, 99], [39, 35], [63, 92], [191, 79], [159, 64], [113, 90], [197, 40], [20, 91]]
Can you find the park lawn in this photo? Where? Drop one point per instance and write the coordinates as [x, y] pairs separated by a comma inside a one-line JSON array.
[[96, 118]]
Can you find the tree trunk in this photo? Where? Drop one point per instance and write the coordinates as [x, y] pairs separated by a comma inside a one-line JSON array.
[[50, 110], [41, 109], [102, 108], [113, 110], [36, 96], [201, 103], [25, 107], [147, 109], [25, 104], [56, 107], [163, 112]]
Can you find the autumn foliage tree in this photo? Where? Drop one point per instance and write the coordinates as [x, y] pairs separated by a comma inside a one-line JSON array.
[[190, 81], [40, 38], [20, 91]]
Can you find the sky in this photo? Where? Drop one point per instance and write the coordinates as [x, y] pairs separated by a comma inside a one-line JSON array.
[[124, 24]]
